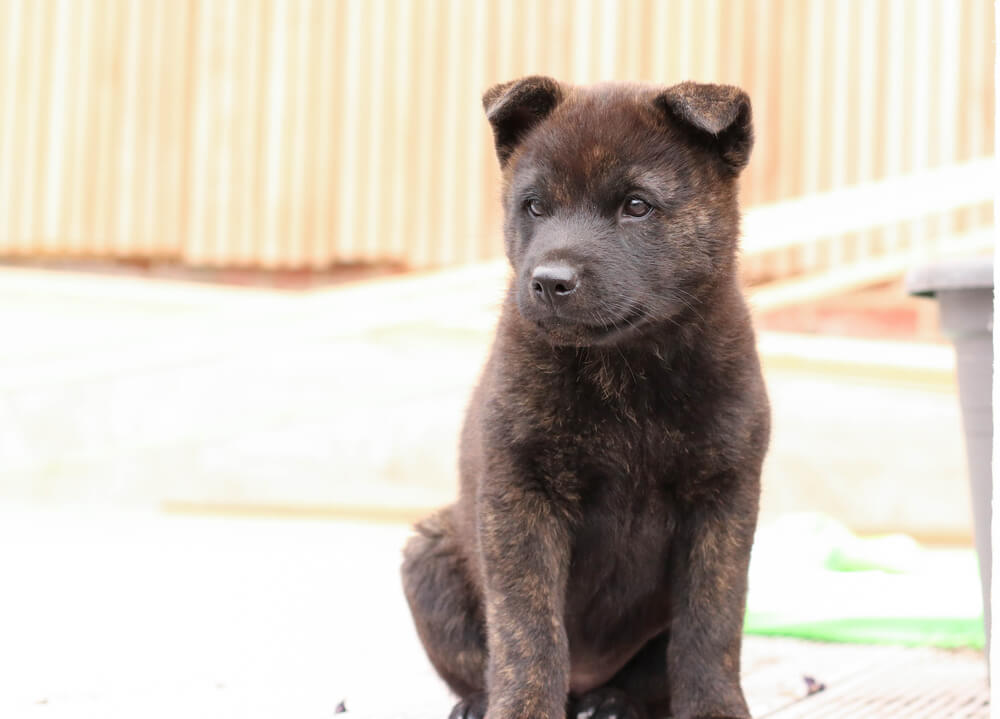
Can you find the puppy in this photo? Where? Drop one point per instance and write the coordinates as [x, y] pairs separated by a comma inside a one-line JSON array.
[[596, 560]]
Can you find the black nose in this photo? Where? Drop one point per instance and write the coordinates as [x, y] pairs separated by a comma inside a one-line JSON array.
[[553, 283]]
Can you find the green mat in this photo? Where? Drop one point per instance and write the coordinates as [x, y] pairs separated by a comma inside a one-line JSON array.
[[812, 578], [943, 632]]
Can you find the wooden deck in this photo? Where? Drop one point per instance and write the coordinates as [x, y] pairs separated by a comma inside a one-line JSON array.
[[794, 679], [790, 679]]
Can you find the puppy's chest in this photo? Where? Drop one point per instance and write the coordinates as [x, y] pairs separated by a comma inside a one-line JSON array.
[[634, 424], [619, 571], [639, 445], [621, 527]]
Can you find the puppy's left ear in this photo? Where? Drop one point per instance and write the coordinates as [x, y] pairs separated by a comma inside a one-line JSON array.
[[719, 114]]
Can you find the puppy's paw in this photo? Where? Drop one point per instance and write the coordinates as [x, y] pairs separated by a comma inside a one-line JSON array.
[[605, 703], [471, 707]]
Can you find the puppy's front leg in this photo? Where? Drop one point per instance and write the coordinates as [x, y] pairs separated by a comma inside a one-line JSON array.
[[708, 601], [525, 553]]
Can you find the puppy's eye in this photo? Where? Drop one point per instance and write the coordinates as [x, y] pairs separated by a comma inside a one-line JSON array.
[[635, 207], [535, 207]]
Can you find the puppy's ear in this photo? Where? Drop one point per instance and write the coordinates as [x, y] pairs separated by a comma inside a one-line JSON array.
[[720, 114], [514, 108]]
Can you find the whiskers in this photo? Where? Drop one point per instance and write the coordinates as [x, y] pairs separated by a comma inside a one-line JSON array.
[[647, 301], [679, 295], [618, 315], [601, 320]]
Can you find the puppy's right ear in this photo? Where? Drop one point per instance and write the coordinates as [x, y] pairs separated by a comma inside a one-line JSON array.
[[514, 108]]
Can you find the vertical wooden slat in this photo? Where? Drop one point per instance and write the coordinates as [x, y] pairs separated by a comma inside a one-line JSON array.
[[134, 146], [581, 23], [920, 110], [374, 110], [101, 188], [289, 241], [947, 102], [835, 124], [763, 169], [333, 129], [80, 127], [220, 138], [434, 167], [816, 99], [150, 129], [355, 172], [894, 114], [981, 116], [837, 128], [608, 50], [660, 46], [56, 135], [45, 56], [475, 229], [420, 190], [686, 41], [12, 28], [182, 98], [492, 57], [864, 149], [203, 96], [792, 81], [240, 98], [89, 176], [706, 27], [402, 127], [121, 217], [629, 39], [275, 206], [733, 37], [316, 33], [30, 97], [449, 202]]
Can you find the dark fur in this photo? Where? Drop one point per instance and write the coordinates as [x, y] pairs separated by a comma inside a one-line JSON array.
[[596, 559]]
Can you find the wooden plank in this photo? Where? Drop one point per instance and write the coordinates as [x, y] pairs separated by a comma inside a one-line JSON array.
[[913, 683], [790, 291], [775, 670], [868, 205], [888, 362]]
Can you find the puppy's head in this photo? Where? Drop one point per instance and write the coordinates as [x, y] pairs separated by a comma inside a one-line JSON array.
[[619, 200]]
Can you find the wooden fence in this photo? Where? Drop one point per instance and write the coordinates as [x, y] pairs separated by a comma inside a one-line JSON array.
[[302, 133]]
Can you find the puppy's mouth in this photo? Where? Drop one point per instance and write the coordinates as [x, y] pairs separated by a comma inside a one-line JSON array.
[[597, 330], [631, 321]]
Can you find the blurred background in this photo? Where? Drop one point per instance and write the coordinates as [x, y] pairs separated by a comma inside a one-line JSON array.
[[250, 253], [282, 152]]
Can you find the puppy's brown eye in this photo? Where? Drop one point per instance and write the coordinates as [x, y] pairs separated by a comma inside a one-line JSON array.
[[634, 207], [535, 207]]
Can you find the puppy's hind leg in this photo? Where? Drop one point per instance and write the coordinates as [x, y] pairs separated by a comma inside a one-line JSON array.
[[447, 611]]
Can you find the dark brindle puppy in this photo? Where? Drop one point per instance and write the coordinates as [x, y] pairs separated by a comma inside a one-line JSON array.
[[596, 560]]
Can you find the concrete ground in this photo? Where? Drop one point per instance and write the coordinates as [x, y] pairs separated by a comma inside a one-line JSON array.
[[347, 401], [108, 615]]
